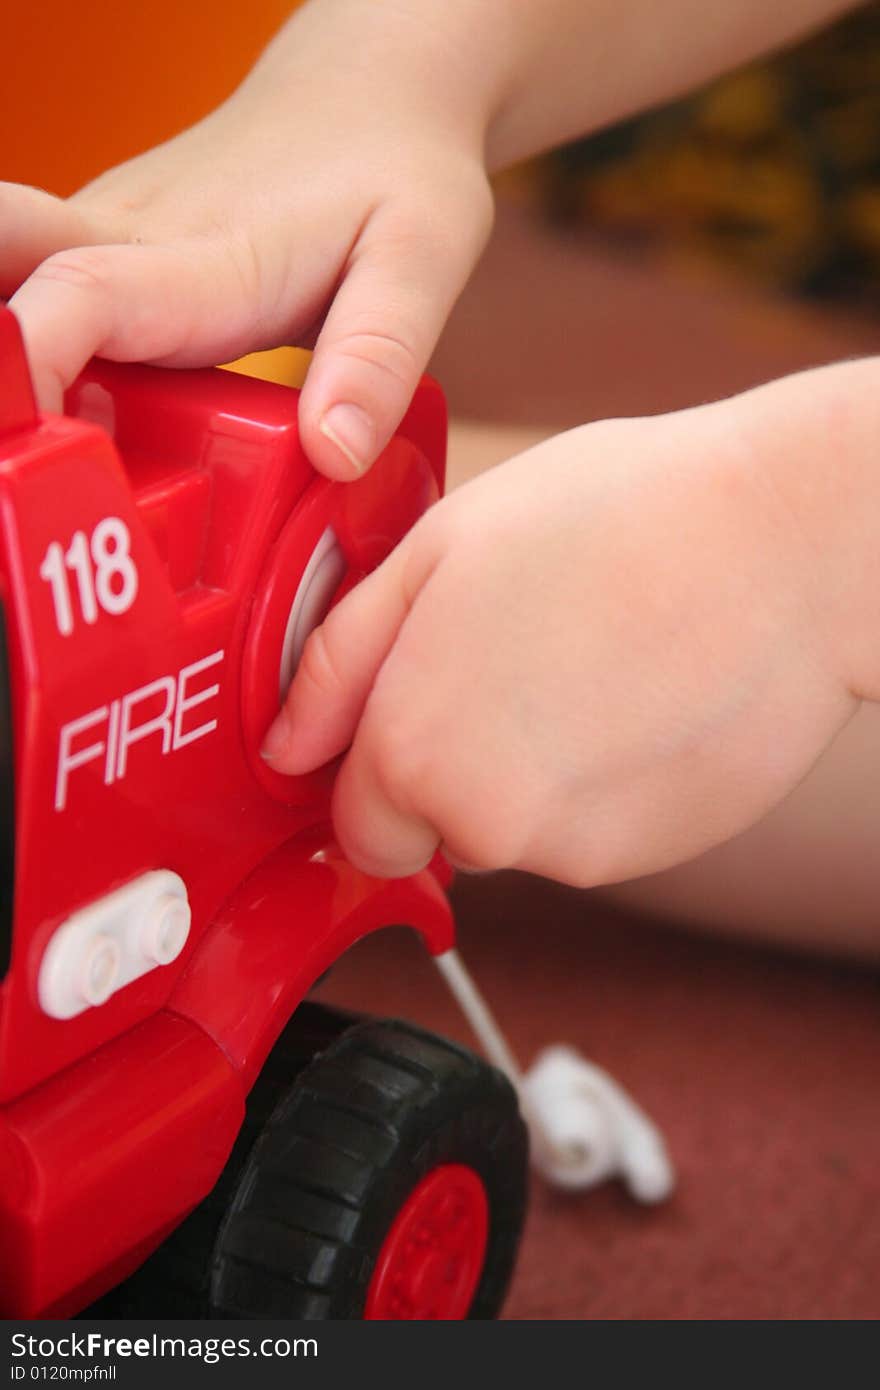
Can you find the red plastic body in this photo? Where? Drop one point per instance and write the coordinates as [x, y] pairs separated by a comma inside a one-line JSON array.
[[116, 1122]]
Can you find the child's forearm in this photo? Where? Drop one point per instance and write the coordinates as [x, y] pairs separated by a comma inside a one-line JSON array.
[[816, 453], [524, 75], [577, 65]]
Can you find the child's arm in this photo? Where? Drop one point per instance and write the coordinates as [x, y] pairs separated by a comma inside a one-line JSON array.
[[345, 185], [614, 651]]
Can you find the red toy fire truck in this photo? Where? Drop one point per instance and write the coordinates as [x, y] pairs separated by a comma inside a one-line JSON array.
[[176, 1123]]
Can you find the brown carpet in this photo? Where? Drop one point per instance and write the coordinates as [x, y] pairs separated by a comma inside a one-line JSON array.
[[760, 1068]]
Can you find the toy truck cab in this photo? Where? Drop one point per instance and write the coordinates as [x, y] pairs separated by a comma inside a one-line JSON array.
[[169, 899]]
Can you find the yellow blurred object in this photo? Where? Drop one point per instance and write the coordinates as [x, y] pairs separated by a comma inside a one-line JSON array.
[[88, 85], [743, 107], [286, 365], [861, 215]]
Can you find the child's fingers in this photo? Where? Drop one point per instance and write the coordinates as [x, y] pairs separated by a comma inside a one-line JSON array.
[[181, 304], [368, 359], [380, 331], [376, 826], [339, 664], [328, 706], [34, 225]]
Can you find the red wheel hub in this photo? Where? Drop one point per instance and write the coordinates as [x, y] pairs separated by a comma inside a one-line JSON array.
[[432, 1257]]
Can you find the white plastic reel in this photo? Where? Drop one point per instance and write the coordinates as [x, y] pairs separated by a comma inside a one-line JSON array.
[[585, 1128], [321, 578]]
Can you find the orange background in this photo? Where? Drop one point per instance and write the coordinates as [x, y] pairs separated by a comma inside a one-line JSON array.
[[85, 85]]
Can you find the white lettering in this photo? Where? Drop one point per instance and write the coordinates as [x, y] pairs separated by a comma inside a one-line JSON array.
[[112, 744], [114, 583], [186, 702], [160, 723], [123, 731], [67, 761]]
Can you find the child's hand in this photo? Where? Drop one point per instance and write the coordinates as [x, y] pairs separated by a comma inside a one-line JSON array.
[[346, 172], [344, 185], [596, 660]]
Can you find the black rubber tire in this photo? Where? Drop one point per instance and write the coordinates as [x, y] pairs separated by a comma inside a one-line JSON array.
[[305, 1213]]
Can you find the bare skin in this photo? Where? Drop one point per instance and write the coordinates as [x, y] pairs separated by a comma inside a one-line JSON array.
[[803, 875]]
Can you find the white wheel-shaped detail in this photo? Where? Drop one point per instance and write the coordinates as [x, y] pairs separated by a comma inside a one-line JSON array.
[[321, 578], [112, 941], [100, 969], [166, 928]]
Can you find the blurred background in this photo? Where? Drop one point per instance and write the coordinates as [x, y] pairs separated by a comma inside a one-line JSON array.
[[88, 85], [689, 253], [772, 172]]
